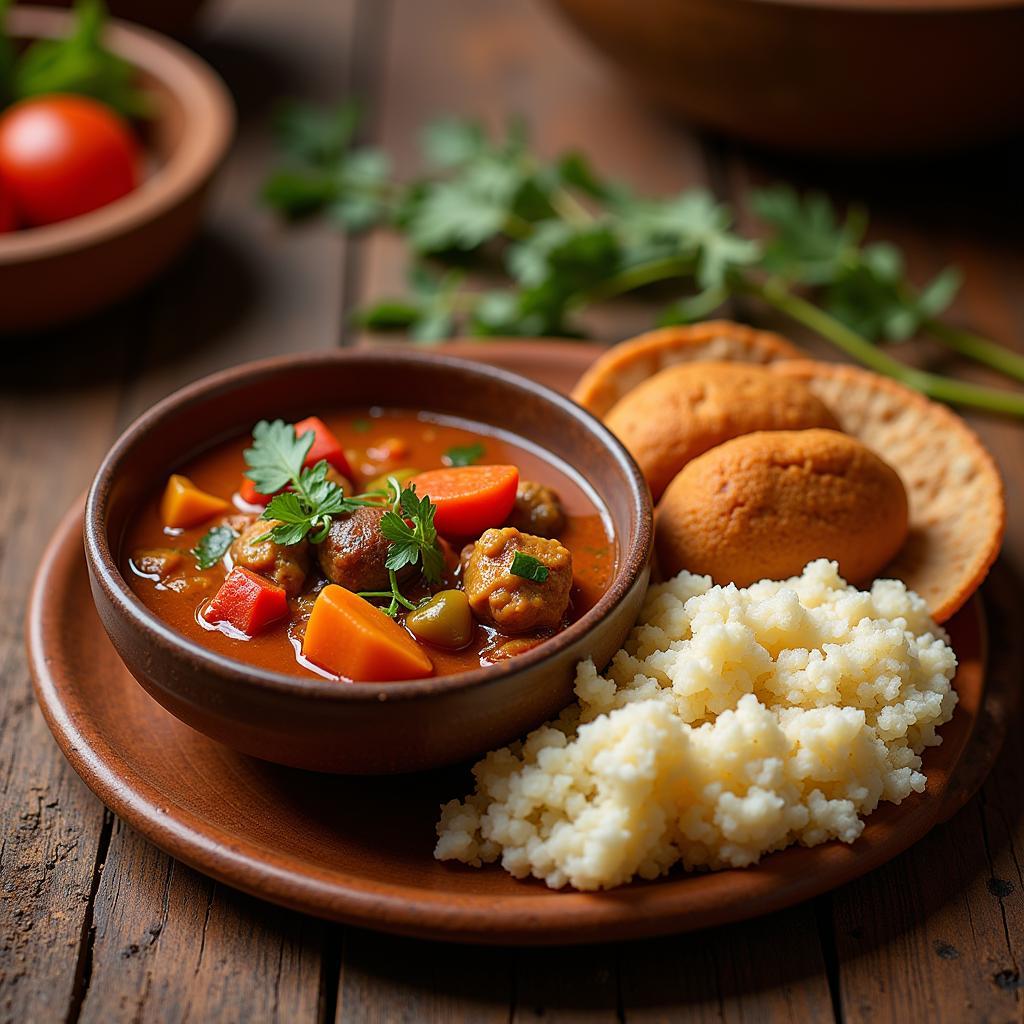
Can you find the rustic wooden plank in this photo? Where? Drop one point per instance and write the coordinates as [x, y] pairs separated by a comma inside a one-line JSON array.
[[172, 945], [58, 405], [386, 979], [767, 970]]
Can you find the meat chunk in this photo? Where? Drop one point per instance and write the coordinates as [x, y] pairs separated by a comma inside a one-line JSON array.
[[287, 565], [158, 563], [538, 510], [354, 553], [512, 603]]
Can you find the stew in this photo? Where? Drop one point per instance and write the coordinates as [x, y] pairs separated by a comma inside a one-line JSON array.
[[371, 545]]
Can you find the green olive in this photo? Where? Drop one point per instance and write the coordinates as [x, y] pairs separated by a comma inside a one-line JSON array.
[[445, 620], [380, 483]]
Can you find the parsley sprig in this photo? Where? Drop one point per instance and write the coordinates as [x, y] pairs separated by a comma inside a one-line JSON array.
[[213, 546], [276, 461], [409, 526], [568, 238]]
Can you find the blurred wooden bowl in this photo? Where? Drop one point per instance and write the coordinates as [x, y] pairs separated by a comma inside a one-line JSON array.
[[60, 272], [847, 77]]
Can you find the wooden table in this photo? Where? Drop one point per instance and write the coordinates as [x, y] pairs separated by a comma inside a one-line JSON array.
[[97, 925]]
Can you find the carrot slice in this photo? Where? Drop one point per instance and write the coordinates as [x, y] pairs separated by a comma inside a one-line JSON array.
[[248, 601], [184, 505], [469, 499], [350, 637]]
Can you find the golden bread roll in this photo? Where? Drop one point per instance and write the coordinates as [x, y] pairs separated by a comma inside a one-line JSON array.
[[684, 410], [763, 505]]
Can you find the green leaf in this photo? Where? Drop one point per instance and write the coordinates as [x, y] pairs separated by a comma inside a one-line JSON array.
[[276, 456], [464, 455], [808, 245], [79, 63], [938, 295], [528, 567], [389, 315], [213, 546], [453, 141], [452, 216], [315, 135], [299, 193], [416, 542], [6, 58]]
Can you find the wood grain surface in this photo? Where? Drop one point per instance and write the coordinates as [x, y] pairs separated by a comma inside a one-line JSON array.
[[97, 925]]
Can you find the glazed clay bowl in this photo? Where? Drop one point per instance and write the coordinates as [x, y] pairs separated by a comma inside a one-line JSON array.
[[60, 272], [360, 728], [850, 77]]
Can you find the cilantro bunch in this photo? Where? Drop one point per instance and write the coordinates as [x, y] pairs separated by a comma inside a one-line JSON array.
[[565, 238]]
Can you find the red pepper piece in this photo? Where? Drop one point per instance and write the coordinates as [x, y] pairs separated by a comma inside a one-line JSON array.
[[247, 601], [325, 445]]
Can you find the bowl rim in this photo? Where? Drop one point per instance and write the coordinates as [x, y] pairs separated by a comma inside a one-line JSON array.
[[106, 573], [209, 116]]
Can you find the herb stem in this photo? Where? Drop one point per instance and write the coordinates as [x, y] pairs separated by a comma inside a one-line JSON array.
[[569, 208], [637, 276], [980, 349], [945, 389]]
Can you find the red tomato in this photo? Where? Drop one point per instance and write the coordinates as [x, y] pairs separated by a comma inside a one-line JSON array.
[[62, 156]]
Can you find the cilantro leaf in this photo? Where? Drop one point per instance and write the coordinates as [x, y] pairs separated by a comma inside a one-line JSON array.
[[464, 455], [213, 546], [416, 542], [276, 456], [528, 567]]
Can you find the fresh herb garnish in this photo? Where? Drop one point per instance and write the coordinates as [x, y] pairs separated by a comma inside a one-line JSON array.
[[464, 455], [212, 546], [77, 63], [570, 238], [409, 525], [528, 567], [275, 461], [361, 426]]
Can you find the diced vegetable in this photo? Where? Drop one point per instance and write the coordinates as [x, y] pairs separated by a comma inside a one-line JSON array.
[[469, 499], [157, 562], [185, 505], [350, 637], [247, 601], [248, 493], [325, 445], [445, 620]]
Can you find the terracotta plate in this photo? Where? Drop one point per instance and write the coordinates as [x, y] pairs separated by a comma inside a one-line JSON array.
[[359, 850]]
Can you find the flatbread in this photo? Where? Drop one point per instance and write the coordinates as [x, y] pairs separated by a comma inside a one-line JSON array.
[[957, 507], [625, 365]]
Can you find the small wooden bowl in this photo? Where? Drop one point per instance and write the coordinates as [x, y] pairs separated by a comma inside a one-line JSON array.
[[56, 273], [855, 77], [347, 727]]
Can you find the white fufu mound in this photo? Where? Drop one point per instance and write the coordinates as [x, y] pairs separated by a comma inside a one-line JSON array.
[[734, 722]]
